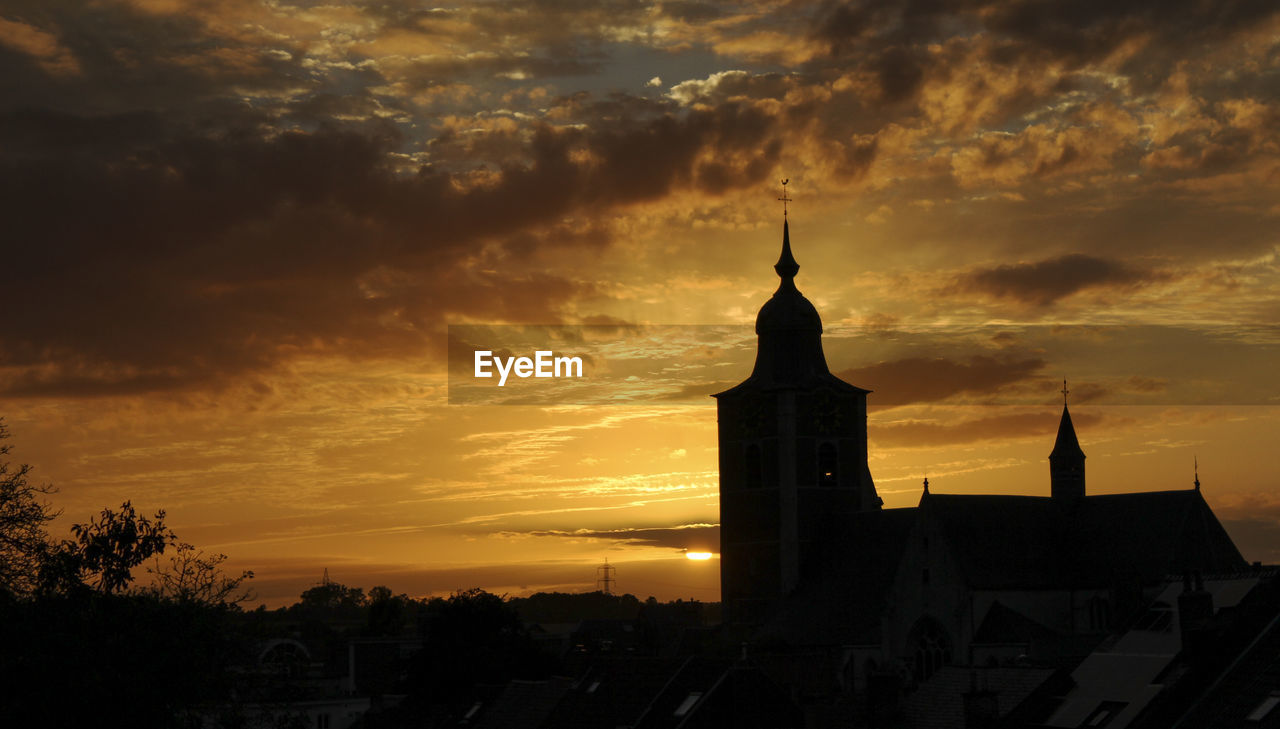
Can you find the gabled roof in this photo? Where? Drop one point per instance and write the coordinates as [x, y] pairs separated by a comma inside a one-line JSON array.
[[1001, 541], [939, 702], [742, 696], [1035, 542], [614, 692], [1234, 684], [1150, 534], [1006, 625], [523, 704], [658, 693]]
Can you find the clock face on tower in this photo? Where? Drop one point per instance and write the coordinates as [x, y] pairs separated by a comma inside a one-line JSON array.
[[827, 415]]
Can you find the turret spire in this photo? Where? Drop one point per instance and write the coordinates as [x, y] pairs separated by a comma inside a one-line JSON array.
[[1066, 462], [786, 266], [790, 330]]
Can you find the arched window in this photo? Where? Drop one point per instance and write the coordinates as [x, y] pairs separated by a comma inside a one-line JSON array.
[[754, 469], [827, 465], [285, 657], [932, 648]]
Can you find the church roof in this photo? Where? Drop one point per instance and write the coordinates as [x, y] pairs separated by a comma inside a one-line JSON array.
[[1034, 542], [1004, 542], [1000, 540], [1152, 534]]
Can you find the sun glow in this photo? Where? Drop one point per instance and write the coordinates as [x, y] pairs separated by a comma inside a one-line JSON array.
[[699, 556]]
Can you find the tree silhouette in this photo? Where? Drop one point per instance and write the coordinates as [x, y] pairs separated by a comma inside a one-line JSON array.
[[104, 551], [191, 575], [387, 611], [333, 596], [473, 637], [24, 543]]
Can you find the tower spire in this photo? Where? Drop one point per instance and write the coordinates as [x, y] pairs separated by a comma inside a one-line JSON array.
[[1196, 463], [786, 266], [1066, 462]]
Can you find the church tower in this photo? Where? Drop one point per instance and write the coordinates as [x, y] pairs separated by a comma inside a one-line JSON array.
[[793, 455], [1066, 461]]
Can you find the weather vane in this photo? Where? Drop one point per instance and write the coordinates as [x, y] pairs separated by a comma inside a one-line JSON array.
[[1064, 391], [784, 197]]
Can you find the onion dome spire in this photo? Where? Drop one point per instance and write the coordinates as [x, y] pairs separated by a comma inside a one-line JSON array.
[[790, 330], [786, 267]]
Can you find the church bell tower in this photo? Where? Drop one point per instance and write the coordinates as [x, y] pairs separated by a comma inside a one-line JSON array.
[[793, 455]]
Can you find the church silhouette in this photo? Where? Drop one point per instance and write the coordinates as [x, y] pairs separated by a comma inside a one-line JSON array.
[[810, 558], [1125, 611]]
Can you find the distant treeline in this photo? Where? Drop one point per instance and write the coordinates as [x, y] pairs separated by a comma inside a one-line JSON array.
[[83, 644]]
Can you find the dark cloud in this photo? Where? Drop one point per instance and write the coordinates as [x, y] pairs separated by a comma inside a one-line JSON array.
[[186, 200], [1089, 29], [150, 253], [1065, 29], [923, 379], [693, 537], [900, 72], [1043, 282], [689, 11], [697, 392], [126, 58], [607, 321], [279, 582], [1005, 426]]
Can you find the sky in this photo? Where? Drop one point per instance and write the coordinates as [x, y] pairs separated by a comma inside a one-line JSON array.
[[243, 242]]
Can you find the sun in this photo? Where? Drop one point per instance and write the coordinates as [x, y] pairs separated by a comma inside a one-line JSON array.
[[699, 556]]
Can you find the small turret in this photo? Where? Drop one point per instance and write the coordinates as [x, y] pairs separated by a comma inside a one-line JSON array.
[[1066, 462]]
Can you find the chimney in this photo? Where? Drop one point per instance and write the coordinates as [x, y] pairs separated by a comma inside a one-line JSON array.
[[1195, 610], [981, 706], [884, 692]]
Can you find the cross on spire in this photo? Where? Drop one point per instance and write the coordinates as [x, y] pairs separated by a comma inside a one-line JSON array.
[[784, 199], [1064, 392]]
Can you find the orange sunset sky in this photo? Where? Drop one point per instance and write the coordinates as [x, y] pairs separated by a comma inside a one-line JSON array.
[[235, 235]]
